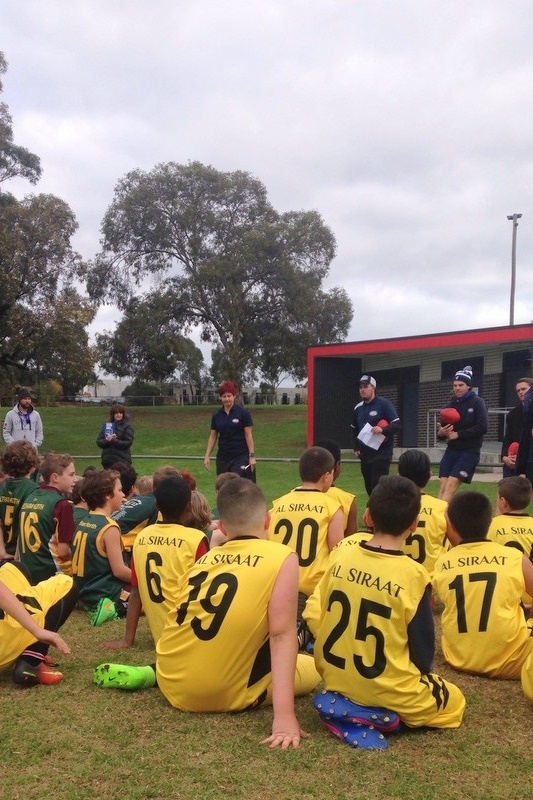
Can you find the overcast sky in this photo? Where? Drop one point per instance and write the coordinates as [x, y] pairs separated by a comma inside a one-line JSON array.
[[407, 124]]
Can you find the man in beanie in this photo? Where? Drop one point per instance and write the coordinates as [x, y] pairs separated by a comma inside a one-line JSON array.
[[23, 421], [464, 438]]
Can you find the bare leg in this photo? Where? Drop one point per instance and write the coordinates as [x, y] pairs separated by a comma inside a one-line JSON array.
[[448, 487]]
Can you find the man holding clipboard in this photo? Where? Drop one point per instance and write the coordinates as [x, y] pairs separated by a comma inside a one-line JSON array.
[[374, 424]]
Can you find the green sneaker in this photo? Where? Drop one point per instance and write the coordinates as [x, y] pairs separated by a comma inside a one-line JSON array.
[[104, 611], [122, 676]]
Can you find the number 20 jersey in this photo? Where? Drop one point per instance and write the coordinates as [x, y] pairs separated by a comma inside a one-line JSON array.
[[483, 625], [214, 652], [300, 519]]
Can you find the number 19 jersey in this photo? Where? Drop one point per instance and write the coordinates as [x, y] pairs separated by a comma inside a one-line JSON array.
[[214, 652]]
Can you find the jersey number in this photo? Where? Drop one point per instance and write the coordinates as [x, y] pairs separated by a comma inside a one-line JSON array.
[[306, 542], [225, 585], [459, 588], [363, 630], [30, 539], [153, 578]]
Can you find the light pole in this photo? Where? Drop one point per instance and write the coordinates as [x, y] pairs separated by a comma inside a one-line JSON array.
[[514, 218]]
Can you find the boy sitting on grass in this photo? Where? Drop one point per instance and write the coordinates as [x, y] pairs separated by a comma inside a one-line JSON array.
[[231, 645], [374, 630], [481, 584], [309, 520], [100, 574], [161, 554], [46, 521], [428, 541], [30, 617], [347, 500], [19, 462]]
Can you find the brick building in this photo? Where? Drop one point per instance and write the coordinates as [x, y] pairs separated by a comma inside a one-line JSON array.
[[416, 374]]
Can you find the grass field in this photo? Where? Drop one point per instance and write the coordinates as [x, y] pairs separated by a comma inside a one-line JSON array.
[[75, 741]]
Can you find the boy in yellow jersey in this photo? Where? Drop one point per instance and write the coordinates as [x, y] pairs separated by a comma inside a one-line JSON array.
[[309, 520], [513, 526], [428, 541], [161, 554], [374, 630], [347, 500], [481, 584], [230, 642], [30, 617]]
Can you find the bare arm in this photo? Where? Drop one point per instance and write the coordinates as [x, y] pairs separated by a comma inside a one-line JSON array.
[[336, 529], [211, 442], [113, 548], [132, 620], [286, 729], [527, 569], [12, 606], [351, 524], [250, 444]]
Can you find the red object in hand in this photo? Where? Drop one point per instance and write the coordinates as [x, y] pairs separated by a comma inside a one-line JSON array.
[[383, 423], [513, 449], [449, 416]]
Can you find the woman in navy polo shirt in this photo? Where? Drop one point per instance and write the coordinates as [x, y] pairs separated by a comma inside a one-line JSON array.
[[232, 426]]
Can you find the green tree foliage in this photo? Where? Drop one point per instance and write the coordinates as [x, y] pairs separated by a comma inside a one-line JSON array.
[[148, 344], [36, 260], [231, 264], [14, 160], [143, 394], [62, 347]]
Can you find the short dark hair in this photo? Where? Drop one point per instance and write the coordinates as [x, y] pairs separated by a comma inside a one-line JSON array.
[[516, 490], [314, 462], [332, 447], [223, 478], [394, 504], [470, 513], [172, 496], [127, 473], [98, 486], [415, 465]]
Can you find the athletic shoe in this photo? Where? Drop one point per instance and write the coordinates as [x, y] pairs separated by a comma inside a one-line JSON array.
[[363, 737], [122, 676], [104, 611], [333, 705], [25, 674], [50, 662]]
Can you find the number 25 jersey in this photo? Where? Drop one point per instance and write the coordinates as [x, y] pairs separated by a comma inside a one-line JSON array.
[[214, 652]]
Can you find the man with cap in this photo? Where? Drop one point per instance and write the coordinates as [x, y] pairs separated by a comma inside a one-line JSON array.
[[464, 438], [23, 421], [372, 410]]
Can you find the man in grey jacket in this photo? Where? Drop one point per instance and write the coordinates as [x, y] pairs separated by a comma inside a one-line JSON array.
[[23, 421]]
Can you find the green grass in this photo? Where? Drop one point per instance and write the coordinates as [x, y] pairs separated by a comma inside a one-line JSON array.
[[76, 741]]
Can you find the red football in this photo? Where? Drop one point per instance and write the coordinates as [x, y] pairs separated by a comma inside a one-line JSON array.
[[383, 423], [449, 416], [513, 449]]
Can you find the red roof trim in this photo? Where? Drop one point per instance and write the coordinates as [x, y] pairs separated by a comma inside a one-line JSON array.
[[434, 340]]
